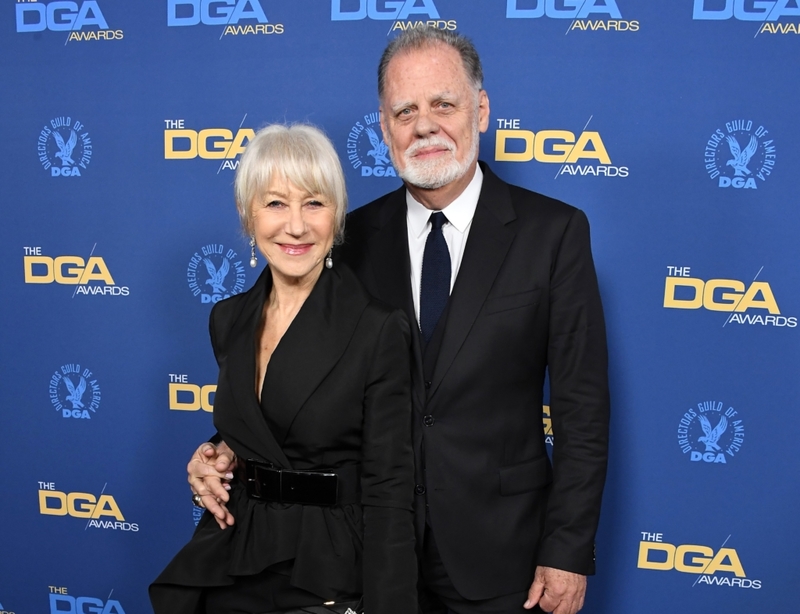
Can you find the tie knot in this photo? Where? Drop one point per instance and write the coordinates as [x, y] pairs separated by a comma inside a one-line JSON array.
[[438, 220]]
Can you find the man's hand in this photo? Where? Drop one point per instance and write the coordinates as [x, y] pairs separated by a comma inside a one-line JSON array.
[[557, 591], [210, 470]]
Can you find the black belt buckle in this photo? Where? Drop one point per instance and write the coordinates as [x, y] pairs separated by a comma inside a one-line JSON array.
[[265, 482]]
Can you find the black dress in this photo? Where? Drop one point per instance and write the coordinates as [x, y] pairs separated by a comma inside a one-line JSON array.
[[336, 395]]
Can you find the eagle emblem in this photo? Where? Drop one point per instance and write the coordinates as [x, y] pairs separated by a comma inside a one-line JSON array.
[[65, 149], [741, 158], [712, 435], [379, 148], [75, 392], [217, 276]]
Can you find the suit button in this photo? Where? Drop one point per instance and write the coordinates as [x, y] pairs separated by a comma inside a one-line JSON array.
[[427, 385], [428, 420], [419, 489]]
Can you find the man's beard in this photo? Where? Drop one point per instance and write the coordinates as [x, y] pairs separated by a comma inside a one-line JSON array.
[[433, 174]]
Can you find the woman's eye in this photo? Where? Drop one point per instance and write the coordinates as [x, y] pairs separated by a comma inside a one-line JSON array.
[[314, 203], [273, 203]]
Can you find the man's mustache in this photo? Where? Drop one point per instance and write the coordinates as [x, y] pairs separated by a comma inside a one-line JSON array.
[[433, 141]]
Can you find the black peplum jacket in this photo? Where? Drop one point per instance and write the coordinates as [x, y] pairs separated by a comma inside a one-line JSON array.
[[336, 396]]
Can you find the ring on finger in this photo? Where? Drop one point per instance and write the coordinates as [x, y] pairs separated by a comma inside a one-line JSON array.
[[197, 500]]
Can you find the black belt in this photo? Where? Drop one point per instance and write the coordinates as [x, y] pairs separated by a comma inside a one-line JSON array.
[[265, 482]]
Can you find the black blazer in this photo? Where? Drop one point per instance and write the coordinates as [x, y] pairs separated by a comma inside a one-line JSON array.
[[525, 300], [336, 396]]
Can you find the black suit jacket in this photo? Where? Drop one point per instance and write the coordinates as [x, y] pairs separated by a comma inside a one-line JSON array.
[[525, 300], [336, 396]]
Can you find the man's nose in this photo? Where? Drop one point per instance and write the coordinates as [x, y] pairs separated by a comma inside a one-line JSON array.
[[426, 123]]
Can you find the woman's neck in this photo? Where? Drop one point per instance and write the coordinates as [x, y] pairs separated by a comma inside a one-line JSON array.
[[289, 293]]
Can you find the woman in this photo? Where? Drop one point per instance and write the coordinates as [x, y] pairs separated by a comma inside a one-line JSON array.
[[314, 399]]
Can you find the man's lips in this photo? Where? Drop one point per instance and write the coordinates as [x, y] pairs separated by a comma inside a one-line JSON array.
[[426, 152], [295, 250]]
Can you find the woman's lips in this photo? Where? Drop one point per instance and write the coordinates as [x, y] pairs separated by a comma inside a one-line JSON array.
[[295, 250]]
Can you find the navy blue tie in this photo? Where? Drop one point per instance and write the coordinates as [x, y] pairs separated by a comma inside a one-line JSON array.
[[435, 284]]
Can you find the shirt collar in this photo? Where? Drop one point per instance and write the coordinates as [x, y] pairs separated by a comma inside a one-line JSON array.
[[459, 212]]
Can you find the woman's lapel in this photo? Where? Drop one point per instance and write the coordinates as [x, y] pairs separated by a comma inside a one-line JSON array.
[[312, 345], [240, 370]]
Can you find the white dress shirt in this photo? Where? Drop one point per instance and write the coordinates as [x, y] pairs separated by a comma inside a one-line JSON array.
[[459, 215]]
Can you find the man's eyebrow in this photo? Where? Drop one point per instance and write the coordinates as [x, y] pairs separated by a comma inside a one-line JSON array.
[[399, 106]]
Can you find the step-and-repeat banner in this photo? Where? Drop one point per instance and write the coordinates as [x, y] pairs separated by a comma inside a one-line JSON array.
[[674, 125]]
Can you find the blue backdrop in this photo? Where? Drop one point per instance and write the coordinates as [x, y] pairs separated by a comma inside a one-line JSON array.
[[673, 125]]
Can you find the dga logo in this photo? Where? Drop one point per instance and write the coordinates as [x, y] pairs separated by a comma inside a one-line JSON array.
[[366, 149], [215, 273], [767, 12], [197, 514], [64, 146], [72, 17], [97, 509], [739, 154], [63, 603], [4, 611], [74, 392], [586, 15], [71, 271], [583, 155], [710, 433], [181, 143], [682, 291], [185, 396], [405, 14], [237, 16], [722, 567], [547, 424]]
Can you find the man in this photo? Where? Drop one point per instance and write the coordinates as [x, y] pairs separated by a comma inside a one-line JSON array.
[[503, 288]]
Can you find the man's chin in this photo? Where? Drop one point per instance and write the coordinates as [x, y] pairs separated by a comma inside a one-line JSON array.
[[431, 179]]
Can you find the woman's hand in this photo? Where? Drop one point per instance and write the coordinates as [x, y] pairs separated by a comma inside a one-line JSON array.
[[210, 470]]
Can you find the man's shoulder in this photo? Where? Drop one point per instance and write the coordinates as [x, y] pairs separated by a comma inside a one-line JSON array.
[[528, 204], [374, 212]]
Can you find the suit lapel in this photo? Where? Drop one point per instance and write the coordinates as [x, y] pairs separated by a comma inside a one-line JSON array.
[[487, 245], [240, 370], [312, 345], [388, 249], [391, 266]]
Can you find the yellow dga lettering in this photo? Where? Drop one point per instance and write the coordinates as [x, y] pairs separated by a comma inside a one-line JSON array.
[[767, 302], [73, 274], [728, 300], [500, 153], [238, 145], [218, 148], [697, 563], [565, 140], [170, 136], [31, 277], [193, 389], [106, 506], [719, 564], [547, 421], [598, 151], [689, 282], [81, 504], [44, 508], [205, 397], [96, 270], [644, 555]]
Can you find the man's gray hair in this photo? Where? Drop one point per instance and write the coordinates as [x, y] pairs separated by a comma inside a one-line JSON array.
[[424, 38]]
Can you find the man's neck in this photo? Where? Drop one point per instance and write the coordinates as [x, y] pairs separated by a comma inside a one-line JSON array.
[[438, 198]]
